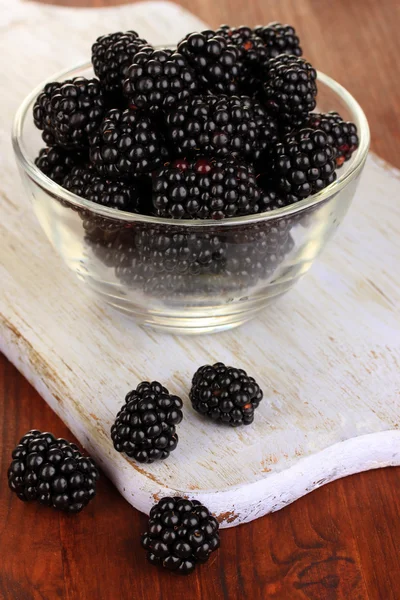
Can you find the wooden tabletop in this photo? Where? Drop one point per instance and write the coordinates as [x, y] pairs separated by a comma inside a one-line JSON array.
[[341, 541]]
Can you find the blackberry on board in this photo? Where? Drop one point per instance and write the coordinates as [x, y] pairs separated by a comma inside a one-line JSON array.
[[221, 126], [214, 60], [158, 79], [112, 54], [342, 135], [304, 163], [57, 163], [290, 88], [279, 39], [144, 428], [126, 145], [181, 533], [225, 394], [73, 110], [53, 472], [205, 189]]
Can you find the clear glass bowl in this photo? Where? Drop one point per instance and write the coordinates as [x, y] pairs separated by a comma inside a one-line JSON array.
[[188, 276]]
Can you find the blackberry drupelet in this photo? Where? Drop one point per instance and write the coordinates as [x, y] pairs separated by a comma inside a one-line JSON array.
[[181, 533], [112, 54], [342, 135], [214, 60], [221, 126], [126, 145], [290, 88], [205, 189], [253, 56], [158, 79], [279, 39], [53, 472], [77, 107], [57, 163], [303, 164], [144, 428], [225, 394], [42, 112]]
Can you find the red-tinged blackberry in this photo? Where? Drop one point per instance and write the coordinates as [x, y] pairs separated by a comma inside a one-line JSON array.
[[159, 79], [144, 428], [53, 472], [112, 54], [57, 163], [221, 126], [290, 88], [342, 135], [303, 164], [126, 145], [225, 394], [181, 533], [253, 56], [279, 39], [205, 189], [214, 60]]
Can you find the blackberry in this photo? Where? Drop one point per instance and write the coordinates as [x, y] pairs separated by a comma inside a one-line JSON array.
[[304, 163], [279, 39], [53, 472], [205, 189], [145, 426], [221, 126], [86, 183], [112, 54], [57, 163], [42, 112], [253, 56], [225, 394], [181, 533], [342, 135], [159, 79], [214, 60], [290, 88], [127, 144]]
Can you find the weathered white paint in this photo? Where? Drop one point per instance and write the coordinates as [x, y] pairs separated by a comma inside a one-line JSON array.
[[327, 355]]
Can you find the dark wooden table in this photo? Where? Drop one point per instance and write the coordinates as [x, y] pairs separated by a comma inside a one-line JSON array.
[[339, 543]]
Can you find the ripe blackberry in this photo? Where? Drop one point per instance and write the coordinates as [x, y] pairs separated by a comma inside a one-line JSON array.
[[159, 79], [181, 533], [221, 126], [112, 54], [290, 88], [57, 163], [279, 39], [75, 109], [86, 183], [205, 189], [225, 394], [144, 428], [127, 144], [253, 56], [342, 135], [53, 472], [214, 60], [42, 112], [303, 164]]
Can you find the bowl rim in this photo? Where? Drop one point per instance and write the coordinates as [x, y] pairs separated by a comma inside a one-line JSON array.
[[58, 192]]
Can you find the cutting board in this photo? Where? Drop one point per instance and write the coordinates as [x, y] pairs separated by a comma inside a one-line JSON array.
[[327, 355]]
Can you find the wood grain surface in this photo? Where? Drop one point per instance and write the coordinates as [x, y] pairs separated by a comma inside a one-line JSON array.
[[341, 541]]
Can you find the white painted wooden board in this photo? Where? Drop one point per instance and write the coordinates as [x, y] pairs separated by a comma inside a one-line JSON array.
[[327, 355]]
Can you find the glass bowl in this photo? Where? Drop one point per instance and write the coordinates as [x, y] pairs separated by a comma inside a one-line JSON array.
[[188, 276]]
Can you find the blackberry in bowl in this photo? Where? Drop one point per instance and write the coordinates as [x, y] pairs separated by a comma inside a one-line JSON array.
[[204, 238]]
